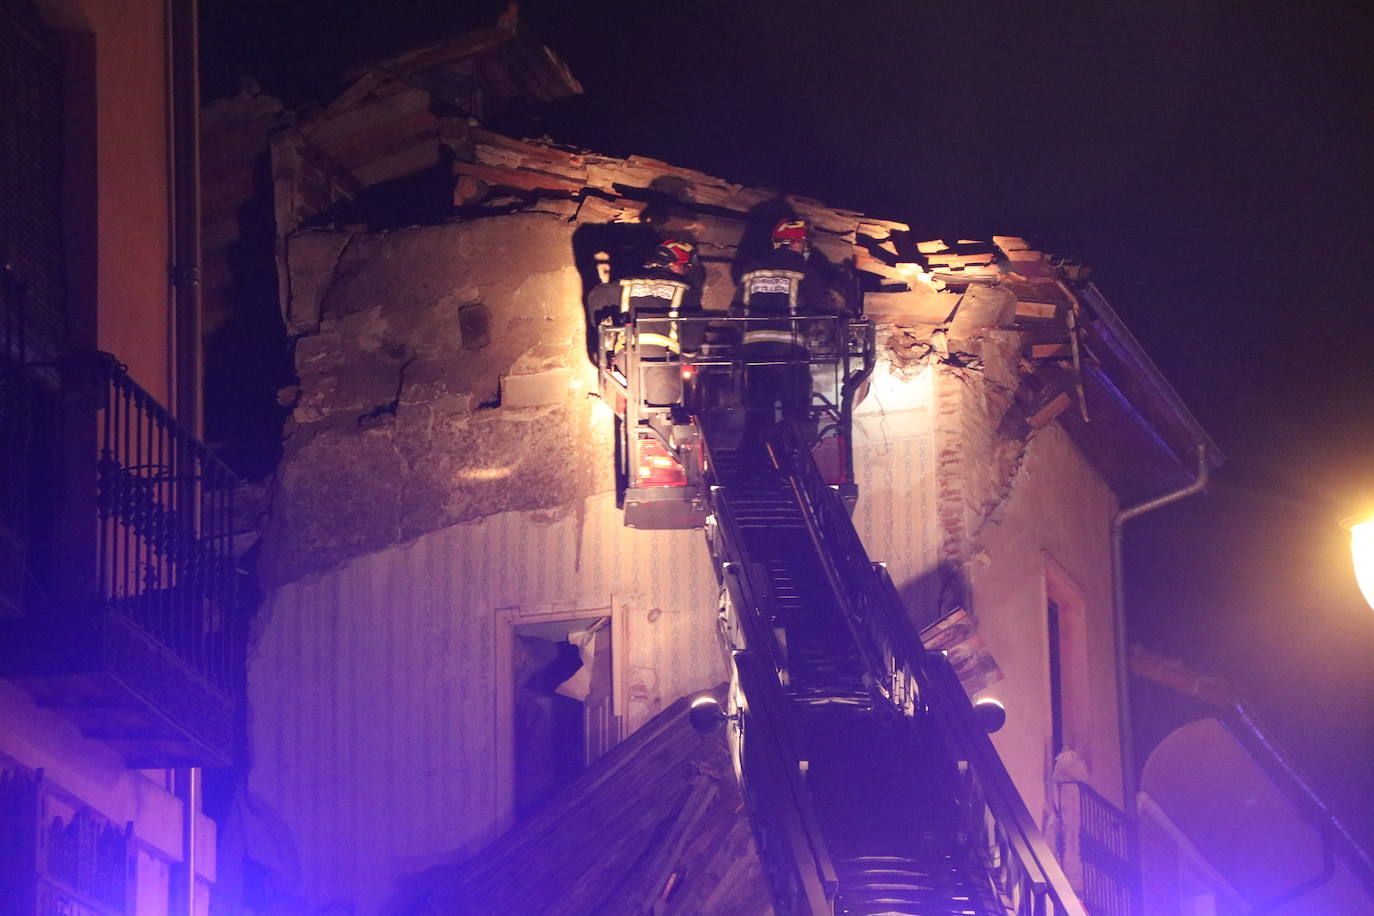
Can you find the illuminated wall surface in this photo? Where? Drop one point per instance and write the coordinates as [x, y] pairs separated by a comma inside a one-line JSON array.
[[446, 467]]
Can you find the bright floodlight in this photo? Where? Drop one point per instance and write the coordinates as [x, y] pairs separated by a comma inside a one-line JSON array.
[[1362, 550]]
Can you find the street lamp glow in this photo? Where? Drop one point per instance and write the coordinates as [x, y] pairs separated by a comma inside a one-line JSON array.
[[1362, 551]]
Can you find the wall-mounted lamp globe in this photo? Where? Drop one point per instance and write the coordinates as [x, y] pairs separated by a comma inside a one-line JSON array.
[[991, 714], [706, 715], [1362, 551]]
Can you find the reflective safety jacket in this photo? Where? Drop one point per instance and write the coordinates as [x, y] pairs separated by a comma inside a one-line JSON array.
[[650, 293], [767, 292], [651, 302]]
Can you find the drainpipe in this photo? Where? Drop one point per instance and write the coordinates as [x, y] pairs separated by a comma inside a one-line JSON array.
[[184, 363], [182, 880], [183, 111], [1123, 691]]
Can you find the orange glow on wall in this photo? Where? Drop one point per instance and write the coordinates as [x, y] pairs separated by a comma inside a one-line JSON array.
[[1362, 553]]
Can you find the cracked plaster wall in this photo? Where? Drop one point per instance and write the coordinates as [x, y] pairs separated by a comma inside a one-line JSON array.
[[399, 425], [970, 510], [1015, 503], [429, 481]]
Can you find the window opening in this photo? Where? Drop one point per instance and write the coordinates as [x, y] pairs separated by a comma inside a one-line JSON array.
[[1056, 681], [562, 709]]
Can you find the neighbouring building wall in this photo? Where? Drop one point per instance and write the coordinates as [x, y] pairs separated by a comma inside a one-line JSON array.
[[446, 473], [1223, 837], [133, 292], [110, 255], [117, 183]]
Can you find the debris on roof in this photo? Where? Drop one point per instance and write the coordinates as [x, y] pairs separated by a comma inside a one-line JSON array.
[[423, 115]]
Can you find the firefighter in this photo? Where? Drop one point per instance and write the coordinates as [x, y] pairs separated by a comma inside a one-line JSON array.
[[649, 300], [780, 287]]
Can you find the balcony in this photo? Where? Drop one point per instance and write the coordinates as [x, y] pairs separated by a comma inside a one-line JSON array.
[[1092, 846], [118, 587], [56, 854]]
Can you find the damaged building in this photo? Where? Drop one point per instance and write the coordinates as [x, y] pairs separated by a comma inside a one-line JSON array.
[[468, 679]]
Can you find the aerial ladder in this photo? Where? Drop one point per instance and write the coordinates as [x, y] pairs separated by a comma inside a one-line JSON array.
[[869, 778]]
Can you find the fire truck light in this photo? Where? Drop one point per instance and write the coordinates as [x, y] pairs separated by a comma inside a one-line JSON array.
[[688, 371], [655, 467]]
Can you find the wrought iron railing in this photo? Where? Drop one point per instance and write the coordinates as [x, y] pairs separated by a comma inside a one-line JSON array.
[[1020, 861], [1095, 839], [116, 548], [164, 534]]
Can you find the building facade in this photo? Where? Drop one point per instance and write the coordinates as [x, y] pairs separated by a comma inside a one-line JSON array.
[[443, 525], [120, 656]]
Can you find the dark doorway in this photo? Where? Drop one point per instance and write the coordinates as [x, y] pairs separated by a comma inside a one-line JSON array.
[[562, 673]]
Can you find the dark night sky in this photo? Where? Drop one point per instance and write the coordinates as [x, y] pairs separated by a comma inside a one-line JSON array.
[[1208, 159]]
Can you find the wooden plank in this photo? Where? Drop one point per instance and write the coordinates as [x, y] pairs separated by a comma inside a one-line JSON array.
[[358, 149], [956, 634], [1027, 309], [523, 179], [341, 129], [1045, 415], [880, 228], [1051, 351], [597, 209], [979, 309], [959, 260], [408, 160]]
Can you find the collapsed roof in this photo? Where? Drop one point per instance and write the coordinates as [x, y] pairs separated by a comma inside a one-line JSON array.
[[411, 127]]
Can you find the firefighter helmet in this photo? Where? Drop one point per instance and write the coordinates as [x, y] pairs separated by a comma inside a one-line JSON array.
[[674, 254], [792, 233]]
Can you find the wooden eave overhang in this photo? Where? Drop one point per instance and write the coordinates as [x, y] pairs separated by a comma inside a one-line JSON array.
[[1140, 434]]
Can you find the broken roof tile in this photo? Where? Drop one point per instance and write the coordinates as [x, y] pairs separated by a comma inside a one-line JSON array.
[[522, 179]]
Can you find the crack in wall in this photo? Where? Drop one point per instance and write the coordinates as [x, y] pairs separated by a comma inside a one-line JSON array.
[[378, 414], [321, 296]]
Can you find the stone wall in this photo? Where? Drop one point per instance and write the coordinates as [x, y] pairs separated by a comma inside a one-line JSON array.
[[442, 379]]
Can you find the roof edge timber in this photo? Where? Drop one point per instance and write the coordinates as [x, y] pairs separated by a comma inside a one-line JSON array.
[[1131, 352], [544, 168]]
